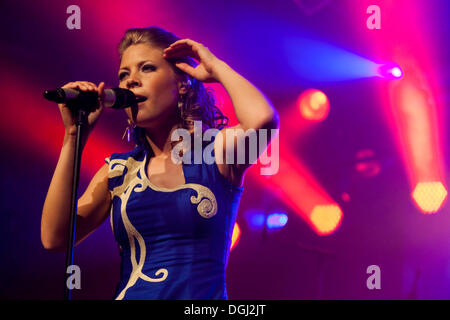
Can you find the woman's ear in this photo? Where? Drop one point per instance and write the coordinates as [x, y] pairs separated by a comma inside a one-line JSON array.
[[182, 89], [184, 84]]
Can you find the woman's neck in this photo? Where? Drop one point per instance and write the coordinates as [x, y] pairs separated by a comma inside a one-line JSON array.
[[159, 139]]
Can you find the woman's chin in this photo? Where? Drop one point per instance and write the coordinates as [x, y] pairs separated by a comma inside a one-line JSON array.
[[146, 120]]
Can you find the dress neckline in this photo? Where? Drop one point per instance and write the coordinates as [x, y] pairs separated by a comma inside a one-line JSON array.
[[145, 163]]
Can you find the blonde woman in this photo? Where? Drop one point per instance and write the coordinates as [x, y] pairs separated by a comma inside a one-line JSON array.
[[172, 221]]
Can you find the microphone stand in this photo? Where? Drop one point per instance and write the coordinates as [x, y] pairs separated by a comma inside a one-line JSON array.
[[81, 123]]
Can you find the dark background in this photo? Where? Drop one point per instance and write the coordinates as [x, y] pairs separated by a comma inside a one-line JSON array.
[[381, 225]]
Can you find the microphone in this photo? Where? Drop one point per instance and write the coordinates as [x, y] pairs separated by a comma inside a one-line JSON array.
[[116, 98]]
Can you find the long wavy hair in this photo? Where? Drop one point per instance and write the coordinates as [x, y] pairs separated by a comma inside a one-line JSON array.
[[199, 103]]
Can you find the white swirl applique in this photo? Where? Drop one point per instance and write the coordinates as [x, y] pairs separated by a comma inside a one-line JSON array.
[[207, 208]]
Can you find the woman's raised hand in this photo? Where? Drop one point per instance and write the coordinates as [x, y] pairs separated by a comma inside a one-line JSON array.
[[206, 70], [66, 114]]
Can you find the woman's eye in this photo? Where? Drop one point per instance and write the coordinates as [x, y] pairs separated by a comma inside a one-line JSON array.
[[148, 67], [122, 75]]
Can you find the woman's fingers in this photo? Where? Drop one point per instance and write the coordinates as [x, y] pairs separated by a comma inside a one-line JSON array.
[[101, 92], [86, 86], [182, 47], [100, 88], [82, 85], [185, 67], [181, 52], [185, 42]]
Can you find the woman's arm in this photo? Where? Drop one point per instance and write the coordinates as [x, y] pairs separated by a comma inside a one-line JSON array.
[[252, 108], [254, 112], [93, 205]]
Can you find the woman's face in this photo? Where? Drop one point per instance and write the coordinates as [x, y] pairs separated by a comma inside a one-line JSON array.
[[144, 71]]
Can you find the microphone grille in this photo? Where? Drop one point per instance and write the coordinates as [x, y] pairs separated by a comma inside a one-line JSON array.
[[124, 98]]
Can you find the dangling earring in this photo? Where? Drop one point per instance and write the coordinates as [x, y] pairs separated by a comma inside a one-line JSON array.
[[128, 129]]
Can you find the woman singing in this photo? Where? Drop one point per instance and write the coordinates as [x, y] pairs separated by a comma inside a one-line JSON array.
[[172, 221]]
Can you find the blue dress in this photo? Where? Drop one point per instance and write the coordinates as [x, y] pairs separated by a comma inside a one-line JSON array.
[[174, 243]]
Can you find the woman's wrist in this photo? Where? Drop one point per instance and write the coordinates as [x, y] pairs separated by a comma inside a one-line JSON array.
[[220, 70], [70, 137]]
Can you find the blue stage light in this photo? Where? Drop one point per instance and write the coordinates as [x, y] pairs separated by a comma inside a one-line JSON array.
[[276, 220]]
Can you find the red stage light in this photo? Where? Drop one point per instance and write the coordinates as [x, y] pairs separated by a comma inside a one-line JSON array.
[[417, 120], [313, 105]]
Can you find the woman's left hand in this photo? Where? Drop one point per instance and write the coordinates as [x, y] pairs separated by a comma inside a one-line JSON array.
[[208, 63]]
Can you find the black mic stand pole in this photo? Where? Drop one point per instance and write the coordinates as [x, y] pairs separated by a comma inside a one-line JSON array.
[[81, 123]]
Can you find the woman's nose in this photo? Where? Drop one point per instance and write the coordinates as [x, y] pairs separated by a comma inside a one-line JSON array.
[[132, 82]]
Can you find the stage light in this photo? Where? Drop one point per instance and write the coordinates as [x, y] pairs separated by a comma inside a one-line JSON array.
[[276, 220], [390, 71], [313, 60], [416, 117], [255, 219], [396, 72], [313, 105], [236, 236], [294, 179], [429, 196], [326, 218]]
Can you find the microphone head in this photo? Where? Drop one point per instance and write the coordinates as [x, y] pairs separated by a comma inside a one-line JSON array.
[[57, 95], [124, 98]]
